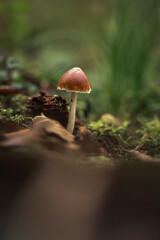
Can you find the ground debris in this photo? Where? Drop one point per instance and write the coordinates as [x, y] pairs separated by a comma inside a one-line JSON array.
[[7, 126], [87, 142], [52, 107], [141, 156], [142, 135], [46, 132], [144, 157], [8, 90], [52, 128]]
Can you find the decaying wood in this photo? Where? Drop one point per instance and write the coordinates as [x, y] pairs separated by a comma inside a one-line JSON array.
[[52, 107]]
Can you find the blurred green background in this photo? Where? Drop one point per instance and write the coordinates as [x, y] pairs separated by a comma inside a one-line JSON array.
[[116, 43]]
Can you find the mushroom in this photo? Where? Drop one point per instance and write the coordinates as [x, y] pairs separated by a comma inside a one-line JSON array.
[[74, 81]]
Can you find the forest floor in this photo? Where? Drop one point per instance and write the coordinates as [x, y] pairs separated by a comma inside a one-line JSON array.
[[71, 183], [105, 140]]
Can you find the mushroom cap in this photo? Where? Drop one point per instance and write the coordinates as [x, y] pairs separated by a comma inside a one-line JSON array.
[[74, 80]]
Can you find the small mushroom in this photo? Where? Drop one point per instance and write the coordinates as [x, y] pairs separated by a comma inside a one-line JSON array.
[[74, 81]]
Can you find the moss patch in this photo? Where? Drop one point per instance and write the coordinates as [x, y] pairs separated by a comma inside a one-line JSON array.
[[142, 135], [14, 108]]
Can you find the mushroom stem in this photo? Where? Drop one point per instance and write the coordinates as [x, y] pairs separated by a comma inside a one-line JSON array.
[[72, 112]]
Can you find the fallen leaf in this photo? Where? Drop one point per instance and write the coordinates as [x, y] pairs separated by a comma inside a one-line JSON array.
[[8, 90], [46, 132], [52, 128]]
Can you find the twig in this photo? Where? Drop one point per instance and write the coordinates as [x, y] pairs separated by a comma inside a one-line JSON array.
[[141, 156]]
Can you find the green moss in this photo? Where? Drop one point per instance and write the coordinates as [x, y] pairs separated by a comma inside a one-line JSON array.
[[150, 132], [15, 108], [152, 128], [142, 134], [100, 128]]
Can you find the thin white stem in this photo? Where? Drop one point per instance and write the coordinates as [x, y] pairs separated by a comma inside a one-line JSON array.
[[72, 112]]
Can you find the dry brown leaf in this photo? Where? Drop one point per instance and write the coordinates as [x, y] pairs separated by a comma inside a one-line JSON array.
[[8, 90], [52, 128], [45, 131]]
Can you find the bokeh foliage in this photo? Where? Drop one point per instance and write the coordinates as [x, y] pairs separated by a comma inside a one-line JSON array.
[[116, 42]]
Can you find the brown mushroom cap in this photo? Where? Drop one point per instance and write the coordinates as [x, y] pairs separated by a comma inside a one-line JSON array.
[[74, 80]]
